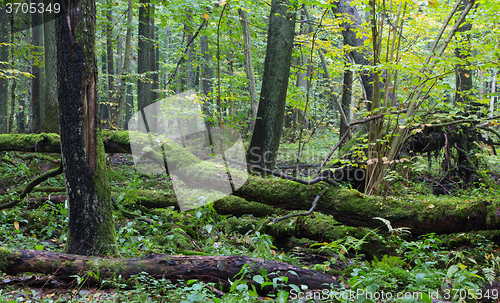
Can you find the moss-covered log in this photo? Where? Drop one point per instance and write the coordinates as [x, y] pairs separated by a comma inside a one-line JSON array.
[[432, 215], [349, 207], [218, 269]]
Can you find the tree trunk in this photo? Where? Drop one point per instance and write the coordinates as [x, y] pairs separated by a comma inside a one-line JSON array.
[[14, 81], [90, 228], [104, 106], [346, 100], [247, 50], [206, 75], [463, 75], [110, 63], [23, 109], [153, 60], [349, 34], [143, 87], [51, 121], [190, 54], [218, 269], [4, 57], [130, 105], [126, 65], [493, 90], [37, 83], [268, 127]]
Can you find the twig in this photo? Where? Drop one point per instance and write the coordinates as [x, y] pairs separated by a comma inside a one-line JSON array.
[[315, 202], [181, 60]]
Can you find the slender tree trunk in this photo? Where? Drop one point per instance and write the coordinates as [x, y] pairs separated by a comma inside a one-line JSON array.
[[4, 57], [207, 74], [346, 100], [51, 121], [90, 228], [104, 104], [152, 55], [37, 83], [110, 64], [126, 65], [24, 105], [119, 54], [247, 51], [350, 36], [493, 90], [267, 132], [129, 97], [14, 81], [143, 87], [190, 70]]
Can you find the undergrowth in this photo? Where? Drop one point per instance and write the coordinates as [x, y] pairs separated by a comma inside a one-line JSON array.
[[456, 268]]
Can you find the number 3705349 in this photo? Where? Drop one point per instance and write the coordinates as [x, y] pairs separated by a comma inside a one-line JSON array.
[[470, 294], [32, 8]]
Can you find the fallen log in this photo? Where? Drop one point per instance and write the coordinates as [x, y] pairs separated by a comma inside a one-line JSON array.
[[432, 215], [217, 269]]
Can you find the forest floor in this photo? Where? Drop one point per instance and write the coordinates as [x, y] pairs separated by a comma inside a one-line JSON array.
[[432, 268]]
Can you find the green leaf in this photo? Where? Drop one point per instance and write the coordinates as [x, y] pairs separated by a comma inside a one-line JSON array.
[[451, 271], [39, 247], [258, 279], [419, 278]]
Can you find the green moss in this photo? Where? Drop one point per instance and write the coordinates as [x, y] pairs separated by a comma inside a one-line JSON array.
[[114, 176], [106, 234], [6, 254], [22, 141]]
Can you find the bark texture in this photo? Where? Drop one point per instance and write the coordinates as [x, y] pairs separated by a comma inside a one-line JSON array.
[[143, 87], [206, 268], [51, 121], [247, 50], [90, 227], [126, 65], [269, 124], [4, 57], [349, 31], [36, 104]]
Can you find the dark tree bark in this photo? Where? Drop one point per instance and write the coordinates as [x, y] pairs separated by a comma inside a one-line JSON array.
[[143, 87], [4, 57], [36, 82], [153, 59], [129, 106], [23, 109], [104, 105], [110, 63], [268, 127], [346, 100], [51, 121], [90, 227], [349, 35], [218, 269]]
